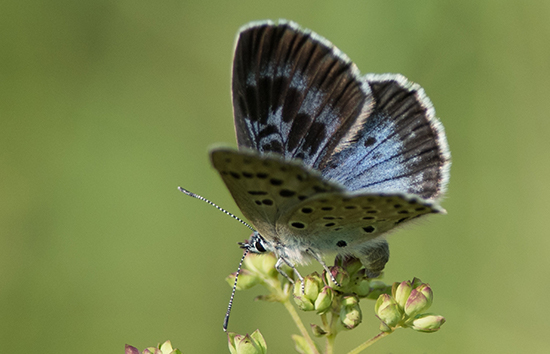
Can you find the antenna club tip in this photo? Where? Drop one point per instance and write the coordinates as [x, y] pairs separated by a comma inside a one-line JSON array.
[[185, 191]]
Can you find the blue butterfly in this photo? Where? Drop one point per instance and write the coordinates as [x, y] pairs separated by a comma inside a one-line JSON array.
[[329, 161]]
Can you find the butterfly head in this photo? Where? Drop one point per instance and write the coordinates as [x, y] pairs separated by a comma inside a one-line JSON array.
[[256, 244]]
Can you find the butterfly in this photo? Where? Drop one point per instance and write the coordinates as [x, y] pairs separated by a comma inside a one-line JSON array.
[[328, 161]]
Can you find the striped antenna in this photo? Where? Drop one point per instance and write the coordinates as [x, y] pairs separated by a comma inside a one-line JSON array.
[[226, 319], [244, 245], [191, 194]]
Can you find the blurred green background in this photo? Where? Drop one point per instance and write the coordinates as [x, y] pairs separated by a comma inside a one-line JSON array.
[[107, 106]]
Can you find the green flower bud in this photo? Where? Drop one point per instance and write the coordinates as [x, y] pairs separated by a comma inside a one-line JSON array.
[[419, 300], [388, 310], [362, 288], [416, 282], [128, 349], [164, 348], [304, 303], [247, 279], [247, 344], [261, 264], [152, 350], [428, 323], [384, 327], [383, 299], [324, 300], [402, 293], [350, 314], [427, 291], [318, 331], [350, 264], [341, 276], [312, 286], [390, 314]]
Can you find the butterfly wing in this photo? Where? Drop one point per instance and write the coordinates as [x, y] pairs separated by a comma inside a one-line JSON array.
[[264, 187], [294, 93], [349, 224], [351, 217], [401, 147]]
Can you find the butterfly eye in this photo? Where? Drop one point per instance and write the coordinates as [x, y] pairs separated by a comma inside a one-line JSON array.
[[258, 245]]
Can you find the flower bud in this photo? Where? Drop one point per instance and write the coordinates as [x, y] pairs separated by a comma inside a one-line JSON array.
[[324, 300], [303, 302], [261, 264], [416, 282], [339, 274], [247, 344], [131, 350], [350, 264], [384, 327], [362, 288], [247, 279], [350, 314], [318, 331], [402, 293], [387, 310], [428, 323], [312, 286], [152, 350], [419, 300]]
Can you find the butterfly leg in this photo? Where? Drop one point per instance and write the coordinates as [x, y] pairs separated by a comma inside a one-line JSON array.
[[278, 266], [374, 256], [320, 260]]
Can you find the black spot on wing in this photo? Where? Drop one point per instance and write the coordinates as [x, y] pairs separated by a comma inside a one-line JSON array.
[[341, 243]]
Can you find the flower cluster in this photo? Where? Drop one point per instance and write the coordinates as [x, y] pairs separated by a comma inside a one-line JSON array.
[[405, 308], [335, 296], [316, 295], [249, 344]]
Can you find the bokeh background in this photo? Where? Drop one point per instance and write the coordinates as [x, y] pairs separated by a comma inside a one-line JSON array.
[[107, 106]]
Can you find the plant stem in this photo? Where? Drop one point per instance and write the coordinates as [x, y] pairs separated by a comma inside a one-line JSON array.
[[292, 311], [330, 344], [276, 287], [368, 343]]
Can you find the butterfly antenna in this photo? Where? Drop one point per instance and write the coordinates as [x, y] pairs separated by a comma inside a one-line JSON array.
[[226, 319], [191, 194]]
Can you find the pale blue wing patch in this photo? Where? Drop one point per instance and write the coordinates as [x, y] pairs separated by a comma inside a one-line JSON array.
[[400, 148]]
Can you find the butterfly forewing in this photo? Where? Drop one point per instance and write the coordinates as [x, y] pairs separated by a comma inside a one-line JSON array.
[[401, 147], [294, 93], [343, 220], [264, 187]]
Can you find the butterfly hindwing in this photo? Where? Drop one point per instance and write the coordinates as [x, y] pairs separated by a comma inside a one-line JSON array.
[[294, 93], [340, 221], [400, 148], [264, 187]]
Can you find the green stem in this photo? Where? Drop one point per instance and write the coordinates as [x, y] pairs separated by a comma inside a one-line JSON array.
[[292, 311], [331, 328], [368, 343], [275, 287], [330, 344]]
